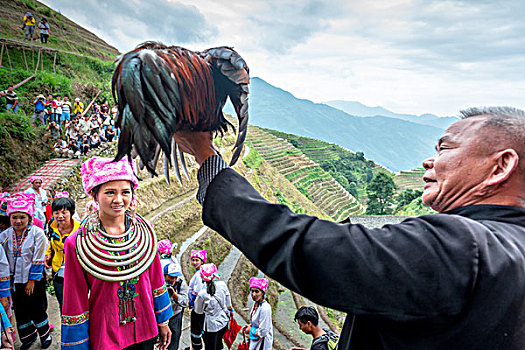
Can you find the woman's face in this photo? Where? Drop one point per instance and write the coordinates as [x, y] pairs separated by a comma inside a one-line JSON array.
[[196, 262], [37, 184], [114, 198], [257, 294], [19, 221], [62, 217]]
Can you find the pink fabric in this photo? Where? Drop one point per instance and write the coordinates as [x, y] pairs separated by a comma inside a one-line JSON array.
[[97, 170], [36, 178], [259, 283], [209, 272], [164, 247], [201, 254], [85, 293], [21, 202], [64, 194], [38, 223]]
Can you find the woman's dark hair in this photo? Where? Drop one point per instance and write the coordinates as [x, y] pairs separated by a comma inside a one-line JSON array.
[[307, 313], [4, 221], [210, 287], [64, 203], [96, 189]]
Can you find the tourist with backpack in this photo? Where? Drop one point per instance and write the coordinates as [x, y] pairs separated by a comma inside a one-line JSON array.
[[308, 320]]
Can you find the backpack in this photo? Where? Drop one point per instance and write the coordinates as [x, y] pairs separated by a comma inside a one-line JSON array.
[[330, 338], [333, 340]]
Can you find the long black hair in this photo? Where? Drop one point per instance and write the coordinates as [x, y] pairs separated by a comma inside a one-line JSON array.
[[210, 287]]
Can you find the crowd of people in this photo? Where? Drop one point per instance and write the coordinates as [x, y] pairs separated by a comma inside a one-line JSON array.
[[45, 239], [75, 131]]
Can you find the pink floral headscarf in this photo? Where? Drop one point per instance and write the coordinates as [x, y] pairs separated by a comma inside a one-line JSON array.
[[36, 178], [259, 283], [64, 194], [21, 202], [209, 272], [164, 247], [201, 254], [98, 170]]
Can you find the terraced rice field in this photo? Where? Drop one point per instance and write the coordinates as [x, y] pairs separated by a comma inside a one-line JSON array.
[[305, 174], [410, 179]]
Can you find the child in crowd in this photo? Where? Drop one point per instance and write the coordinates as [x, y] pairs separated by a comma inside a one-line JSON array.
[[178, 292], [198, 257]]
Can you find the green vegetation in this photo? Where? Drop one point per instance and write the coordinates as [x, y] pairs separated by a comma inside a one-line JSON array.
[[380, 194], [415, 208], [308, 177], [253, 160], [352, 170]]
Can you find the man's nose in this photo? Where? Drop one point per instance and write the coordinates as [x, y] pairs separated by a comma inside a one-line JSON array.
[[428, 163]]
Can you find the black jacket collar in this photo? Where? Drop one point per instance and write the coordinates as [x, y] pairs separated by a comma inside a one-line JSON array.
[[501, 213]]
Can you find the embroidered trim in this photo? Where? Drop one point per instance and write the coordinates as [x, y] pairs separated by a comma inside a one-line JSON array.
[[5, 278], [163, 309], [159, 291], [75, 343], [40, 262], [75, 320]]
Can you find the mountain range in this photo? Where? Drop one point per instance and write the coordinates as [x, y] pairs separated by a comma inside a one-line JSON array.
[[391, 141], [360, 110]]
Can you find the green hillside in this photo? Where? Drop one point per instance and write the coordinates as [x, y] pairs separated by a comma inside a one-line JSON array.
[[65, 34], [309, 178], [410, 179], [350, 169]]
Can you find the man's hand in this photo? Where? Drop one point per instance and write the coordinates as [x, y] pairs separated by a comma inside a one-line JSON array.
[[30, 286], [197, 143], [164, 337]]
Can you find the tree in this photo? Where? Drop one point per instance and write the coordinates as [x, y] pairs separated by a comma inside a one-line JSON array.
[[407, 196], [380, 193]]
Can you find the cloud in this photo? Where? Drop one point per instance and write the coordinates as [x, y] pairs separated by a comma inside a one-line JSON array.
[[129, 23], [278, 26]]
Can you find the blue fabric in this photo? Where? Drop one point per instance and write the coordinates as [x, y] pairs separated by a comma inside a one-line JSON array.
[[75, 336], [9, 107], [35, 272], [162, 307], [40, 106], [5, 320], [192, 300], [253, 336], [5, 288]]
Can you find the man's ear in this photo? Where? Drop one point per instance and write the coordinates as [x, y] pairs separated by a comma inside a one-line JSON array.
[[505, 163]]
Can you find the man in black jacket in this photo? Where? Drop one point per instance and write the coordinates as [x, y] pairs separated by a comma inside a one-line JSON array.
[[453, 280]]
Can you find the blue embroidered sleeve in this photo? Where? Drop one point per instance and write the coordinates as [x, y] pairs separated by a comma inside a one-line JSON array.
[[36, 270], [162, 304], [5, 287], [75, 332], [5, 320], [253, 333]]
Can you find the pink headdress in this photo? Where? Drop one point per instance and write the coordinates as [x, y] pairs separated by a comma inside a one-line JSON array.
[[164, 247], [259, 283], [64, 194], [97, 170], [201, 254], [209, 272], [36, 178], [21, 202]]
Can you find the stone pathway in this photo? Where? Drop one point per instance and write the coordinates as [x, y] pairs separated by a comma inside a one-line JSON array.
[[51, 172]]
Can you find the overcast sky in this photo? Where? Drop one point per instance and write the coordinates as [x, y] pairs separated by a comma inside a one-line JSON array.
[[408, 56]]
